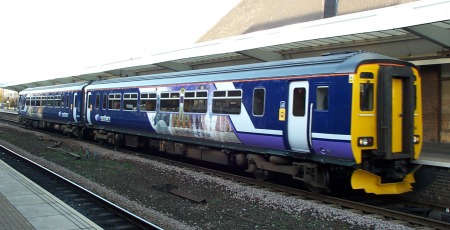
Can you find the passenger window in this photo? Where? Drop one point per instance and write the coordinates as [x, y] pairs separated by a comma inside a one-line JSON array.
[[97, 101], [38, 101], [170, 102], [227, 101], [366, 96], [322, 98], [114, 101], [105, 101], [195, 102], [50, 100], [148, 102], [28, 101], [63, 99], [259, 96], [130, 101], [33, 101], [299, 102], [57, 101]]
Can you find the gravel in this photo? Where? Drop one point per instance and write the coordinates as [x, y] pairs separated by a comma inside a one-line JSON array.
[[140, 185]]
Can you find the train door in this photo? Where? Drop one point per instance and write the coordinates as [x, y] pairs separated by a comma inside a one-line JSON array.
[[74, 107], [395, 111], [298, 116], [88, 108]]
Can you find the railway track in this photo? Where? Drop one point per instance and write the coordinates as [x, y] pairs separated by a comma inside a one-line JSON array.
[[342, 203], [376, 211], [9, 119], [102, 212]]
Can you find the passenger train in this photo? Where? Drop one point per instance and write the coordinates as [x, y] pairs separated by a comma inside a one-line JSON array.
[[353, 114]]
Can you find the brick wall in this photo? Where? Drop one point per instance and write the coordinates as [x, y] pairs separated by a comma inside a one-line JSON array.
[[445, 103], [352, 6], [432, 185], [430, 102]]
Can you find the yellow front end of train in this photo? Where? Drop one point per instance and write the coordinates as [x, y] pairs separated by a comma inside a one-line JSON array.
[[386, 129]]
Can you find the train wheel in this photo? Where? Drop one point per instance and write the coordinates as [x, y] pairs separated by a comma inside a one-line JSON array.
[[79, 133], [261, 174], [101, 141], [321, 182]]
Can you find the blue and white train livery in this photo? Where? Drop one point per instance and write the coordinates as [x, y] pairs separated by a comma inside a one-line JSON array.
[[355, 114]]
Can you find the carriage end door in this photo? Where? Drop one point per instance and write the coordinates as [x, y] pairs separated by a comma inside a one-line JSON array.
[[88, 108], [298, 116]]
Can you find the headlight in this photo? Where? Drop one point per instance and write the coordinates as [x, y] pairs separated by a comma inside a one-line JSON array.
[[416, 139], [365, 141]]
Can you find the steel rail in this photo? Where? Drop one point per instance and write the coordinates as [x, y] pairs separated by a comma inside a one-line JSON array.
[[131, 217]]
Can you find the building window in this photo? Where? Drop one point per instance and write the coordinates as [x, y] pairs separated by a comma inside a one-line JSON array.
[[330, 8], [227, 101], [114, 101], [322, 98], [130, 101], [259, 97], [170, 102], [195, 102]]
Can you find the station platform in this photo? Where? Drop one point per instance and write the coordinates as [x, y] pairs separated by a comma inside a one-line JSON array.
[[435, 154], [25, 205], [12, 111]]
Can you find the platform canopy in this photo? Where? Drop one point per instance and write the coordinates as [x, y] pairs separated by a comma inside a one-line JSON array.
[[417, 32]]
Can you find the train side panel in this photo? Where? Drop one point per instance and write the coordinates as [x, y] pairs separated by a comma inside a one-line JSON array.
[[330, 104]]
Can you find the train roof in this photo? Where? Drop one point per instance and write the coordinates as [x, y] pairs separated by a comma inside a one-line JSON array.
[[338, 63], [335, 63], [52, 88]]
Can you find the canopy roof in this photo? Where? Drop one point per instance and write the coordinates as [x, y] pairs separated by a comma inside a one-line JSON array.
[[417, 31]]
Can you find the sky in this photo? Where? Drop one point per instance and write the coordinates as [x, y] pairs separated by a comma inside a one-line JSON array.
[[45, 39]]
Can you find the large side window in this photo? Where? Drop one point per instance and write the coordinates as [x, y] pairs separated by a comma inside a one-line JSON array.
[[148, 102], [28, 101], [33, 101], [170, 101], [322, 98], [195, 102], [50, 100], [39, 101], [227, 101], [114, 101], [130, 101], [299, 102], [259, 97], [57, 101]]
